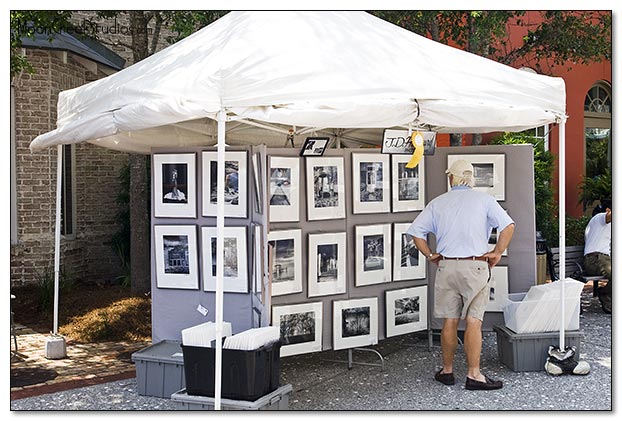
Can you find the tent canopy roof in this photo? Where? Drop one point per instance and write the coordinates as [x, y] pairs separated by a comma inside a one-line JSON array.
[[304, 69]]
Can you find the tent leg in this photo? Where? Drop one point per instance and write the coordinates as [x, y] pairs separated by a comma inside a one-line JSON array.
[[562, 228], [220, 228]]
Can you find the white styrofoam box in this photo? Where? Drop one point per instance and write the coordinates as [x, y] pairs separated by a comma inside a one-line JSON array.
[[540, 309]]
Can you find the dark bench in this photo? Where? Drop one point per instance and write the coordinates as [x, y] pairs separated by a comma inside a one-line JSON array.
[[574, 266]]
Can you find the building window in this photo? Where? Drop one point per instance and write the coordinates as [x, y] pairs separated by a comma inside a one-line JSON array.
[[597, 119], [68, 194]]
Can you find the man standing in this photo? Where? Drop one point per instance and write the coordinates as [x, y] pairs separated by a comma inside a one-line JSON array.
[[597, 252], [462, 220]]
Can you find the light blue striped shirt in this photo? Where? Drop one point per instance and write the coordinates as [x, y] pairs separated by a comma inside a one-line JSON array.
[[462, 220]]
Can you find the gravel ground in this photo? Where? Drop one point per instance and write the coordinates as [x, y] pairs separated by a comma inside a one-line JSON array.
[[406, 382]]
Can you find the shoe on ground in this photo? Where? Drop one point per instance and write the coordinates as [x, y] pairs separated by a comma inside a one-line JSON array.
[[605, 302], [559, 363], [447, 379], [487, 384]]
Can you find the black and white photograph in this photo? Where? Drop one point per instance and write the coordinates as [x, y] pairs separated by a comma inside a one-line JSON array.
[[488, 172], [257, 181], [327, 264], [235, 262], [492, 242], [314, 146], [235, 184], [174, 185], [176, 256], [325, 188], [408, 262], [284, 189], [407, 310], [286, 261], [370, 183], [300, 326], [498, 284], [373, 254], [407, 184], [355, 323], [258, 258]]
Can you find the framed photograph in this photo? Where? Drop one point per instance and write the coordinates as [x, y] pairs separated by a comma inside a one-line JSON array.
[[355, 323], [236, 184], [408, 184], [408, 262], [370, 182], [300, 326], [235, 259], [325, 188], [257, 182], [373, 254], [176, 256], [314, 146], [284, 189], [488, 171], [287, 261], [492, 242], [175, 191], [407, 310], [327, 264], [498, 288]]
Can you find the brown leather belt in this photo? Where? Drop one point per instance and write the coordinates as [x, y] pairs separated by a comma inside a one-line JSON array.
[[480, 258]]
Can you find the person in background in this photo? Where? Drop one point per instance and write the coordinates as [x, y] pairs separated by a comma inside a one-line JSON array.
[[462, 220], [597, 251]]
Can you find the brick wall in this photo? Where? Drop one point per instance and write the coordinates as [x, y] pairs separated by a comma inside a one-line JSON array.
[[87, 257]]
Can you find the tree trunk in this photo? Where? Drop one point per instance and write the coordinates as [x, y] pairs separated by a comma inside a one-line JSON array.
[[140, 238]]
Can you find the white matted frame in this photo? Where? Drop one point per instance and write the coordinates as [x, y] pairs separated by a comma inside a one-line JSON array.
[[235, 259], [355, 323], [327, 264], [300, 326], [407, 310], [408, 262], [370, 183], [489, 173], [408, 184], [258, 258], [373, 254], [492, 241], [257, 181], [175, 189], [325, 188], [287, 261], [236, 183], [176, 256], [498, 288], [284, 191]]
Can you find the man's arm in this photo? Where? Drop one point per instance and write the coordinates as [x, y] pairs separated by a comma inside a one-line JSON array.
[[503, 241], [422, 246]]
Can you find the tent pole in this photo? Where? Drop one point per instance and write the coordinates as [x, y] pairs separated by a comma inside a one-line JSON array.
[[562, 227], [220, 228], [59, 184]]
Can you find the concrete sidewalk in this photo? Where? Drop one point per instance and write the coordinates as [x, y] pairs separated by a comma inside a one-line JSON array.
[[405, 383]]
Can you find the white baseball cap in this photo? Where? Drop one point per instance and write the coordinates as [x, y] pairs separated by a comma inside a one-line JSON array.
[[459, 167]]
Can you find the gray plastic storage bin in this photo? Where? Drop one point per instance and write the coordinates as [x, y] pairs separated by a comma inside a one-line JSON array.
[[529, 351], [275, 401], [159, 369]]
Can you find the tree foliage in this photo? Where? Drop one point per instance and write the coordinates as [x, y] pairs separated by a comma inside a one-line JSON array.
[[560, 38]]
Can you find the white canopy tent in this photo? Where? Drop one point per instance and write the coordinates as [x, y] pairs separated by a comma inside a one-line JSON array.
[[305, 71]]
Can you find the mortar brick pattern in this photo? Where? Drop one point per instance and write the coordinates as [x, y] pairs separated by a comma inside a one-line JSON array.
[[88, 257]]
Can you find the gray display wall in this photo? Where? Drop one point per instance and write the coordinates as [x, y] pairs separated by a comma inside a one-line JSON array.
[[175, 309]]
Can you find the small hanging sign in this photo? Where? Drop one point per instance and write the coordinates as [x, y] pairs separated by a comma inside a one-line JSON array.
[[314, 146], [399, 142]]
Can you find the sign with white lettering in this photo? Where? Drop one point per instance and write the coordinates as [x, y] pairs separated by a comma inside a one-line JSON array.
[[314, 146], [399, 142]]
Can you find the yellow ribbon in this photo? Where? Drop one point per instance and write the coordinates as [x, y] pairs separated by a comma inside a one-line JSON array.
[[417, 141]]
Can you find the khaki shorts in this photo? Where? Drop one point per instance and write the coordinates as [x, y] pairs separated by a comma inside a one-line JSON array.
[[461, 288]]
